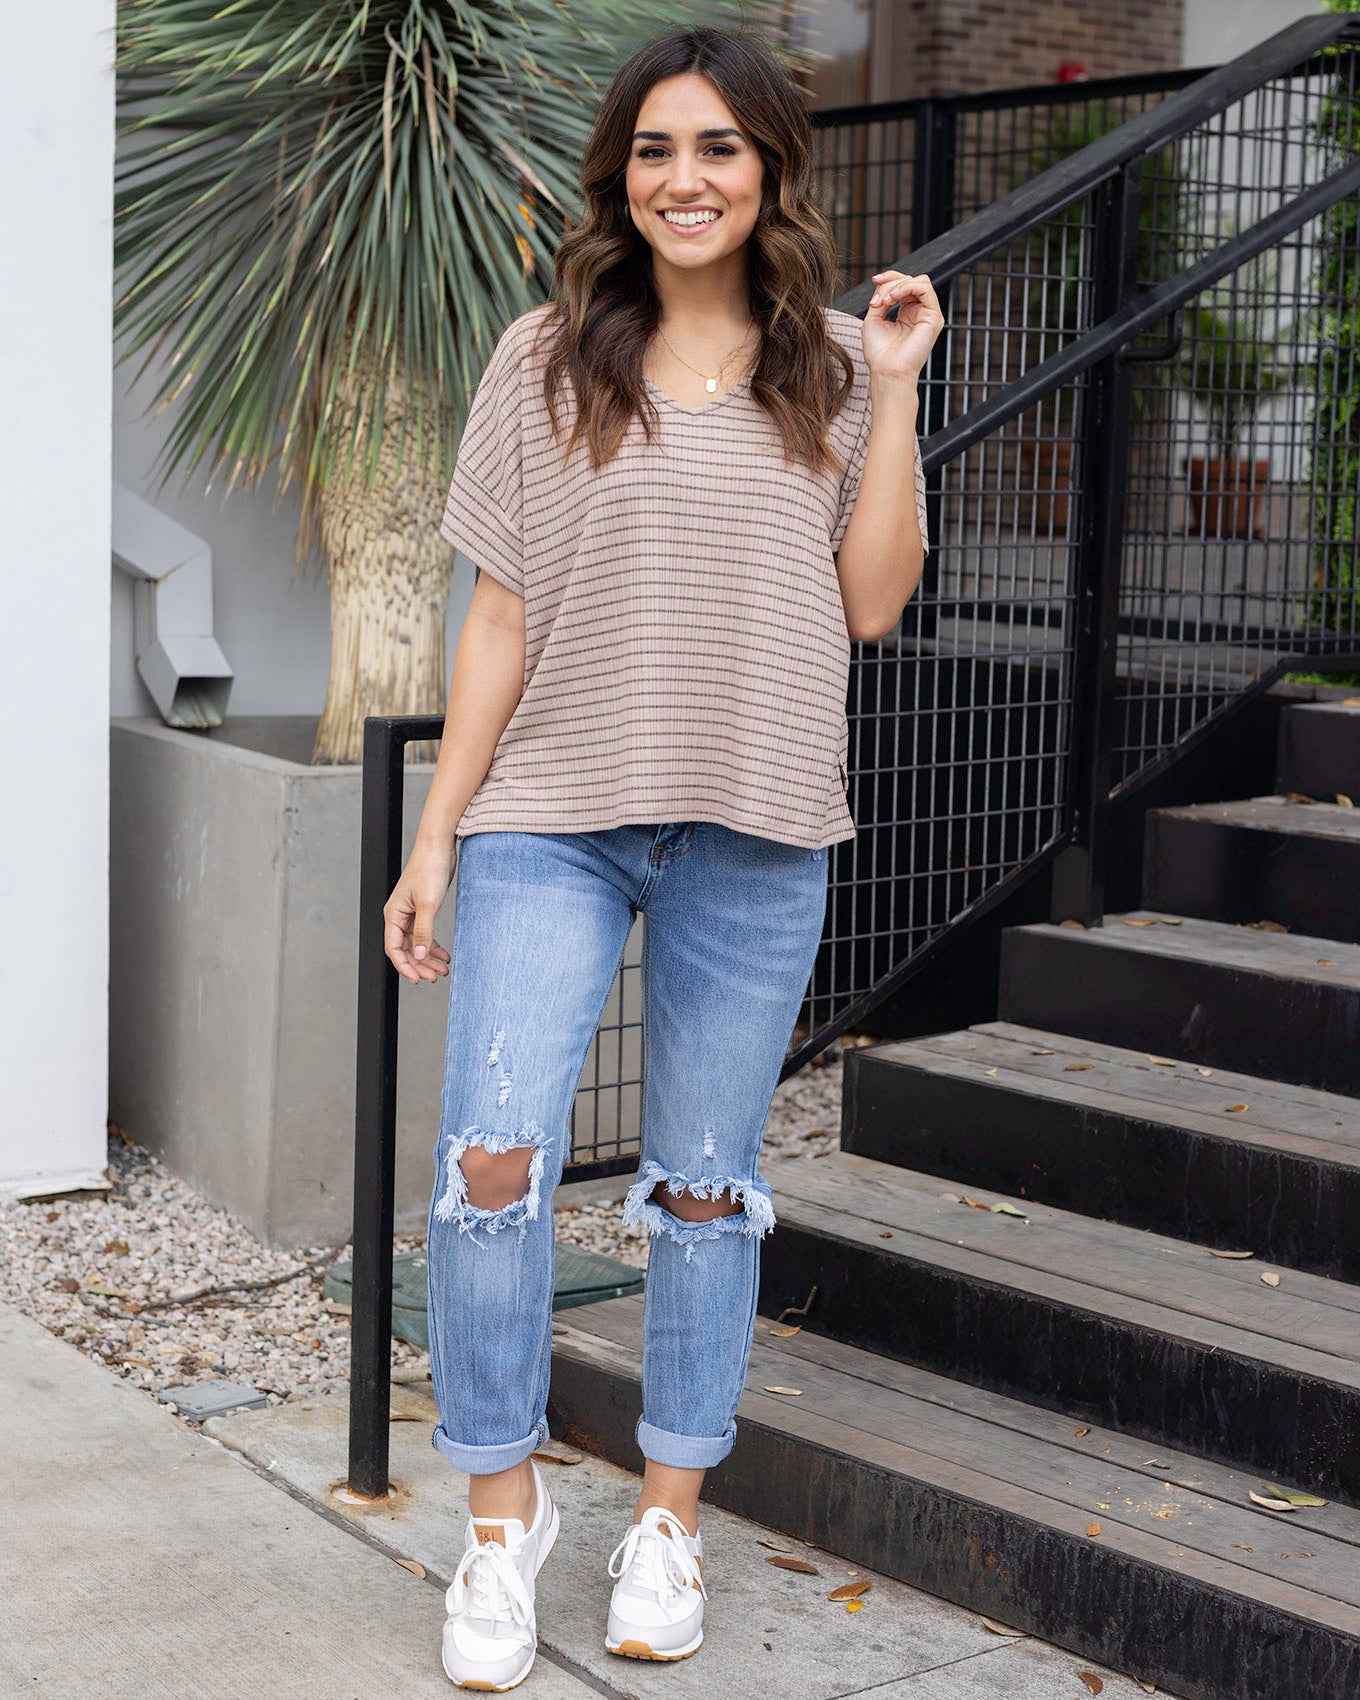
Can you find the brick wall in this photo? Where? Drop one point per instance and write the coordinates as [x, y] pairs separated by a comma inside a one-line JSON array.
[[960, 46]]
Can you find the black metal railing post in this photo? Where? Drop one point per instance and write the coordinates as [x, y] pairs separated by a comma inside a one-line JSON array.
[[375, 1097], [932, 213], [375, 1113], [1078, 891]]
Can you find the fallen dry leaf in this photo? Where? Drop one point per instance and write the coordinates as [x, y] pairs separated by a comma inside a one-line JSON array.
[[411, 1565], [1214, 1253], [1268, 926], [1080, 924], [105, 1291], [405, 1417], [1171, 920], [1091, 1680], [1082, 1431], [559, 1455], [1270, 1278], [1072, 1068], [789, 1392], [1298, 797], [118, 1248], [1093, 1528], [1325, 962], [974, 1203], [1277, 1492], [885, 1233], [1206, 1072], [953, 1197], [783, 1333], [1162, 1062], [1009, 1209], [989, 1071], [1129, 921], [774, 1546], [1147, 1687], [1344, 800], [854, 1605], [1000, 1628], [1270, 1504], [850, 1590], [68, 1284], [801, 1565], [1233, 1109], [1041, 1053]]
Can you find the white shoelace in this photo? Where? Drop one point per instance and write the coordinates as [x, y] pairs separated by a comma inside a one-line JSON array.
[[663, 1566], [491, 1577]]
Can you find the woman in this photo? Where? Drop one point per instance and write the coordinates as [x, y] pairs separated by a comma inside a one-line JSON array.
[[647, 715]]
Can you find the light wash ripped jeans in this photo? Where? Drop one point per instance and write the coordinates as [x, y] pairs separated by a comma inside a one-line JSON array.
[[733, 923]]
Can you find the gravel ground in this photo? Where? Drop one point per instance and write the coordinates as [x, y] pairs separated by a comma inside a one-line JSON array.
[[166, 1288]]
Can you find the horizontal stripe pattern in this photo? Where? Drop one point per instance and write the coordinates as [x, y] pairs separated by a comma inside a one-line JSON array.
[[686, 656]]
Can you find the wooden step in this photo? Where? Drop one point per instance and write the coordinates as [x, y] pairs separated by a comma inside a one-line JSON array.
[[1150, 1560], [1260, 859], [1285, 1006], [1152, 1334], [1092, 1127], [1318, 749]]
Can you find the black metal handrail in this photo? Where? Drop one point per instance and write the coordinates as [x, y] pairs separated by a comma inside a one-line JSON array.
[[1080, 604], [1037, 200]]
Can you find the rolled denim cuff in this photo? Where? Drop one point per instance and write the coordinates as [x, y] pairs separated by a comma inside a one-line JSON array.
[[487, 1460], [684, 1451]]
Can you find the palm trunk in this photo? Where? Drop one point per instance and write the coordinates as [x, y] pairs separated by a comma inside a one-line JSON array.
[[388, 569]]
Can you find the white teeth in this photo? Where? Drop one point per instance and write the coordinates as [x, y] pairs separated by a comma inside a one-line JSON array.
[[690, 218]]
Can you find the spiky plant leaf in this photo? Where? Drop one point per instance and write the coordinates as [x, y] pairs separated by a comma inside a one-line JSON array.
[[304, 187]]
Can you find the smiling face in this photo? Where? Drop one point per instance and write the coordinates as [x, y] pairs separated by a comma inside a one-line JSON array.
[[691, 159]]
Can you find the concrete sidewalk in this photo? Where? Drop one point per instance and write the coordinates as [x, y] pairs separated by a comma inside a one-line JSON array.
[[143, 1560], [769, 1633], [139, 1560]]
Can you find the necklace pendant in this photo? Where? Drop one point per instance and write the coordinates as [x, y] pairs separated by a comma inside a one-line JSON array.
[[710, 384]]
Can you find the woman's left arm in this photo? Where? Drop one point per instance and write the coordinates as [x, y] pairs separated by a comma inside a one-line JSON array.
[[882, 554]]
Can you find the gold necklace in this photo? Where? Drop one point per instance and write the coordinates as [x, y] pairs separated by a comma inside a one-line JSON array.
[[710, 384]]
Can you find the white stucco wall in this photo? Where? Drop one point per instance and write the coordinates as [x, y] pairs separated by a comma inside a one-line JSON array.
[[56, 136]]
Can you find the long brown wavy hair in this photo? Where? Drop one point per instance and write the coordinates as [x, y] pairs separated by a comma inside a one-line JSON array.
[[606, 304]]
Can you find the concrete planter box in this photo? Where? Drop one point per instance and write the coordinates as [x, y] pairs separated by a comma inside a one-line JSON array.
[[234, 893]]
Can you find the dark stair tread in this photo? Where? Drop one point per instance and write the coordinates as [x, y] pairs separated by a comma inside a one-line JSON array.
[[1320, 819], [1285, 956], [1309, 1324], [1301, 1120], [1022, 1460]]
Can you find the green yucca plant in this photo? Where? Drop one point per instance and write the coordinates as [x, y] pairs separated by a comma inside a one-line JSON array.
[[325, 213]]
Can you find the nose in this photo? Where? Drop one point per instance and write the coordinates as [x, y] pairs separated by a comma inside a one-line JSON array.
[[686, 177]]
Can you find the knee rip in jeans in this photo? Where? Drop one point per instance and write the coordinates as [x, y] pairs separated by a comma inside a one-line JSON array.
[[753, 1216], [454, 1204]]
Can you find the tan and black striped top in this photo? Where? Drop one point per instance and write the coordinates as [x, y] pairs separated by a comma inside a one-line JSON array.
[[686, 655]]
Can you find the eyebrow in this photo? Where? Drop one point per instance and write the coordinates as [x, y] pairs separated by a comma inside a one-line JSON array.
[[665, 135]]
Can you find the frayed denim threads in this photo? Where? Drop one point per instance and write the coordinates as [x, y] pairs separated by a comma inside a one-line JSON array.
[[453, 1206], [755, 1217]]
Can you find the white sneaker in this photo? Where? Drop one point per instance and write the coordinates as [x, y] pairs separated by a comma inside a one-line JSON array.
[[657, 1611], [490, 1634]]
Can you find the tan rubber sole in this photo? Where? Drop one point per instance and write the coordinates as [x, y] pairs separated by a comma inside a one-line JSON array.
[[640, 1650]]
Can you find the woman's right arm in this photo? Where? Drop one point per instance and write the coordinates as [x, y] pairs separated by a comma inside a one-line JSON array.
[[488, 677]]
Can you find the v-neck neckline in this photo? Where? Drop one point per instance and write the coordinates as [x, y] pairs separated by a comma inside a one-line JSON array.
[[704, 406]]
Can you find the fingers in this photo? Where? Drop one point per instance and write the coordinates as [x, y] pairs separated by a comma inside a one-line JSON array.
[[409, 942], [898, 286]]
